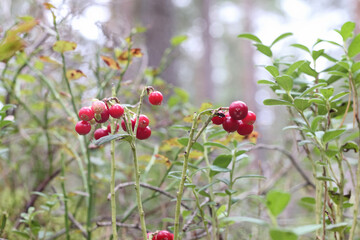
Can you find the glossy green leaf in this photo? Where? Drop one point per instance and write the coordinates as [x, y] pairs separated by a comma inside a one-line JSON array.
[[347, 30], [285, 82], [249, 36], [276, 201], [332, 134], [282, 36], [354, 47], [323, 178], [315, 122], [272, 102], [215, 144], [316, 54], [301, 103], [300, 46], [244, 219], [293, 67], [338, 227], [305, 68], [263, 49], [350, 146], [196, 145], [266, 82], [282, 234], [306, 229], [309, 90], [272, 70], [220, 164], [327, 92], [338, 96], [111, 137]]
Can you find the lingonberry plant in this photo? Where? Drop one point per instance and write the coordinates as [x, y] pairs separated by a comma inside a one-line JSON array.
[[323, 104]]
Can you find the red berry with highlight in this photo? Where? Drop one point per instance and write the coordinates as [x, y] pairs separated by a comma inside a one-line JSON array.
[[244, 129], [99, 133], [83, 127], [143, 121], [123, 125], [109, 127], [164, 235], [116, 111], [250, 118], [219, 117], [86, 114], [155, 98], [98, 107], [102, 117], [230, 124], [238, 110], [143, 133]]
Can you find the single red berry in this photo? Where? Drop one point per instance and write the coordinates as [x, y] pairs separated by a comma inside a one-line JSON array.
[[143, 133], [116, 111], [102, 117], [219, 117], [230, 124], [155, 98], [244, 129], [123, 126], [250, 118], [143, 121], [99, 133], [109, 127], [86, 113], [238, 110], [164, 235], [83, 127], [98, 107]]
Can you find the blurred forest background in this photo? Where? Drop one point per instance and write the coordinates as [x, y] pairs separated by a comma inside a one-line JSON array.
[[212, 65]]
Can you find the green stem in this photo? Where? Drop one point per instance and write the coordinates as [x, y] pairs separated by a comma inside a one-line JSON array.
[[67, 229], [201, 214], [84, 143], [230, 187]]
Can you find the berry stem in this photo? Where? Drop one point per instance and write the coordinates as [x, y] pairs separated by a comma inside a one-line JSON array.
[[67, 230]]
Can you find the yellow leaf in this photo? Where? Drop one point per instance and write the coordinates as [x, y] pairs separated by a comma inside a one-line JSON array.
[[49, 60], [74, 74], [8, 48], [64, 46], [230, 137], [205, 106], [136, 52], [24, 27], [167, 145], [111, 62], [48, 6], [123, 58], [194, 154]]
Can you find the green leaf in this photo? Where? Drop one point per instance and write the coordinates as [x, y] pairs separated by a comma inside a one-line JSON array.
[[350, 146], [347, 30], [184, 95], [354, 48], [309, 90], [276, 201], [108, 138], [249, 36], [301, 103], [301, 47], [196, 145], [293, 67], [337, 96], [27, 78], [22, 234], [285, 82], [272, 102], [355, 67], [327, 92], [322, 178], [282, 36], [244, 219], [139, 30], [315, 122], [282, 234], [215, 144], [272, 70], [254, 176], [177, 40], [220, 210], [62, 46], [306, 229], [316, 54], [332, 134], [338, 227], [263, 49], [220, 164], [305, 68], [266, 82]]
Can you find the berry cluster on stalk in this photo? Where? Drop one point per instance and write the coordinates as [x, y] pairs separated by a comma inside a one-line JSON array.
[[101, 111], [238, 118]]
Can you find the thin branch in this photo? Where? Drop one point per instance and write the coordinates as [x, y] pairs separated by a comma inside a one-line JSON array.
[[119, 224], [188, 223], [145, 185]]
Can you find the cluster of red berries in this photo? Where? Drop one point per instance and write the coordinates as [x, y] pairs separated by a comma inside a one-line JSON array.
[[238, 118], [100, 112], [161, 235]]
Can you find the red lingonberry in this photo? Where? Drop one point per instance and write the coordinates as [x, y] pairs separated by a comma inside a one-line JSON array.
[[116, 111], [86, 113], [98, 107], [250, 118], [83, 127], [143, 121], [100, 132], [123, 126], [244, 129], [102, 117], [164, 235], [143, 133], [219, 117], [155, 98], [109, 127], [238, 110], [230, 124]]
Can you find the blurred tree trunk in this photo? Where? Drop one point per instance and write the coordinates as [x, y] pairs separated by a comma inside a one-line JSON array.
[[357, 15], [204, 84], [158, 17]]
